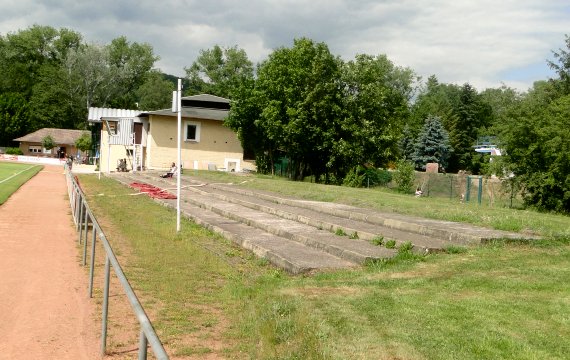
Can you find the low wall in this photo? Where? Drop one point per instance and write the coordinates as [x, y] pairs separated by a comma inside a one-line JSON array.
[[32, 159]]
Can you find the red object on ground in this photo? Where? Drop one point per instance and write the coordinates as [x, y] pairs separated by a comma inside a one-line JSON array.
[[152, 191]]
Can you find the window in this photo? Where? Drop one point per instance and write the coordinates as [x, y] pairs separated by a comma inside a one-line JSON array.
[[113, 127], [192, 131], [35, 149]]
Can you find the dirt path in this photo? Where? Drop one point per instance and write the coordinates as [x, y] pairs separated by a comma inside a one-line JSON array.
[[45, 311]]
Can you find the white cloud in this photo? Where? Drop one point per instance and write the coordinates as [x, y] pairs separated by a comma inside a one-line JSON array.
[[457, 40]]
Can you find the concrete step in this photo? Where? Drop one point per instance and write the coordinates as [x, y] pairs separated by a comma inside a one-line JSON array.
[[287, 254], [319, 220], [355, 250], [453, 232]]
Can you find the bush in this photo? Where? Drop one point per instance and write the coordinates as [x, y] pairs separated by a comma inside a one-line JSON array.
[[14, 151], [404, 176], [360, 176]]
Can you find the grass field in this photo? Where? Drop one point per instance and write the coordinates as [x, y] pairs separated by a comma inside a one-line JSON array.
[[208, 297], [14, 175]]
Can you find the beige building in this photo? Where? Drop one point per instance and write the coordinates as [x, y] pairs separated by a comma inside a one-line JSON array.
[[64, 140], [148, 140]]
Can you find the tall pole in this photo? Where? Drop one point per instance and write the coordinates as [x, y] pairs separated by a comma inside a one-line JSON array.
[[178, 108]]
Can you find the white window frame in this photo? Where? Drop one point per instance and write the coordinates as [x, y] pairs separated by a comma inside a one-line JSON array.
[[198, 126]]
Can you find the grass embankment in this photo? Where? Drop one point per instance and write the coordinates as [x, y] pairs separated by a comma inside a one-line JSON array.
[[501, 301], [14, 175]]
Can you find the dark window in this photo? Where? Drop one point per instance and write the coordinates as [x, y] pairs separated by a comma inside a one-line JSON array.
[[191, 132]]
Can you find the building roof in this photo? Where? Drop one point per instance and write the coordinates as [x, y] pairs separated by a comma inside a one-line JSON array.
[[192, 112], [96, 114], [206, 101], [59, 136]]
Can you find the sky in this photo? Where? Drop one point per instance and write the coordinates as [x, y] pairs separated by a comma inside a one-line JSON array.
[[486, 43]]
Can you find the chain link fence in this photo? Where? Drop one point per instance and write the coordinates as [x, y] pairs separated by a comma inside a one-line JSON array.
[[468, 188]]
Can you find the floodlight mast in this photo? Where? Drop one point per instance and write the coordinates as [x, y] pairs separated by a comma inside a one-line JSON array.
[[179, 161]]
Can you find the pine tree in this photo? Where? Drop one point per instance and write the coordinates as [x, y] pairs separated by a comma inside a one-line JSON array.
[[432, 144]]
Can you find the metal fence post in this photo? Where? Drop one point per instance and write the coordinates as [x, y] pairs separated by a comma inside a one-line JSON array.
[[480, 192], [92, 263], [142, 345], [80, 218], [86, 233], [105, 305]]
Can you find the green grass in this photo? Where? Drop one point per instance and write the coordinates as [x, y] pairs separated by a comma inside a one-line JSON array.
[[506, 300], [14, 175], [386, 200]]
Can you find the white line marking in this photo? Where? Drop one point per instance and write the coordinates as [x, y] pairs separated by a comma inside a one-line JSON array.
[[16, 174]]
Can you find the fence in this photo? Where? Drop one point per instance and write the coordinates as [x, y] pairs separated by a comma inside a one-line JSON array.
[[83, 217], [468, 188]]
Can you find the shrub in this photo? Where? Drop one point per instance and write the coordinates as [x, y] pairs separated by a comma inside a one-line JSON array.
[[361, 176], [14, 151], [404, 176]]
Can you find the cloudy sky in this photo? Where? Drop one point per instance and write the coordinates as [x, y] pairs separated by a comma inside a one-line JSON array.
[[483, 42]]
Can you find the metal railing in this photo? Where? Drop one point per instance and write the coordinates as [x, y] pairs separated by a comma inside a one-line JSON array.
[[83, 216]]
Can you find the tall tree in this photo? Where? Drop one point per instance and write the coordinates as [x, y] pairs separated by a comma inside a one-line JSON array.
[[432, 144], [219, 71], [130, 64], [155, 93], [561, 64], [14, 117], [377, 95]]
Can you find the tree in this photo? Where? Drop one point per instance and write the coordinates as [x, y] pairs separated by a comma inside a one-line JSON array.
[[155, 93], [561, 65], [301, 104], [219, 71], [376, 100], [48, 142], [536, 141], [84, 143], [129, 64], [14, 118], [404, 176], [432, 144]]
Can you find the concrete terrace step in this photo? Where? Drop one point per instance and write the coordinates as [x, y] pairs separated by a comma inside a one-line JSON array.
[[453, 232], [290, 255], [331, 223]]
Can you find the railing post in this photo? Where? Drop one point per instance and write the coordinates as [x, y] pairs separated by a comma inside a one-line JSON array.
[[80, 218], [92, 264], [142, 345], [105, 304], [86, 234]]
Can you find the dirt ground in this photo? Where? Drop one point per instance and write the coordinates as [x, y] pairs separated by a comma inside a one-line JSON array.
[[45, 309]]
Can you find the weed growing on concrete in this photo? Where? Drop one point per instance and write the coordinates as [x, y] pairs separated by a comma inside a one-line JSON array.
[[406, 247], [340, 232], [390, 244], [354, 235], [378, 240]]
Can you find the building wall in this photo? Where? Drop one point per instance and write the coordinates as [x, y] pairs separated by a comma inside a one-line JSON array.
[[218, 145], [117, 152], [25, 147]]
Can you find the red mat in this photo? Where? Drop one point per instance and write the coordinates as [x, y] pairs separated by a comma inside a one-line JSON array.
[[152, 191]]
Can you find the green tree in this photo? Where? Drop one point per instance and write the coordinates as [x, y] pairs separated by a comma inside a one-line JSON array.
[[561, 65], [404, 176], [301, 105], [14, 117], [432, 144], [48, 142], [84, 143], [376, 98], [536, 141], [129, 64], [155, 93], [219, 71]]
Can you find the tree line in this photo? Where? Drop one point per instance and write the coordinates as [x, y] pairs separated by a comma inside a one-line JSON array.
[[325, 116]]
